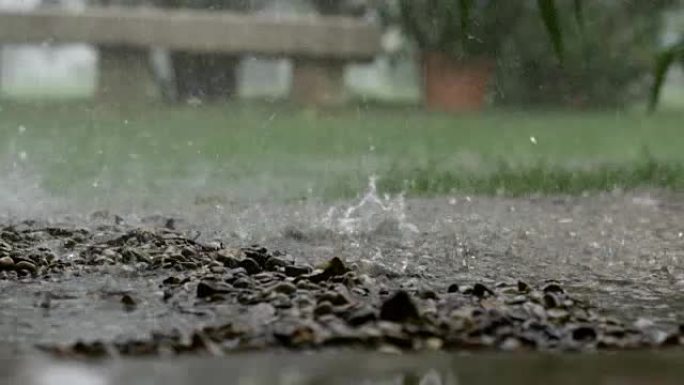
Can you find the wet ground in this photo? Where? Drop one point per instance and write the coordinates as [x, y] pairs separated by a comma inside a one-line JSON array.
[[621, 252], [359, 368]]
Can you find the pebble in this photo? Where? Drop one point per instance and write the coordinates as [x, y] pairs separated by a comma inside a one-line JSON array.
[[399, 308], [296, 271], [26, 266], [207, 289], [284, 287], [128, 302], [250, 265], [323, 308], [6, 263], [334, 305]]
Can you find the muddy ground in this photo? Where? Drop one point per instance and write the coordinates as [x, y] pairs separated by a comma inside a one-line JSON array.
[[621, 252]]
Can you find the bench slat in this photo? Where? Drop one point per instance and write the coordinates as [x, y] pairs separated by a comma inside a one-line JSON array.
[[198, 31]]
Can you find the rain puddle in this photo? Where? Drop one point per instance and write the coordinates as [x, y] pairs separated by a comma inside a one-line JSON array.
[[352, 369]]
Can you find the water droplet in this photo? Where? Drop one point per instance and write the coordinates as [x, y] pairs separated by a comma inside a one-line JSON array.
[[533, 140]]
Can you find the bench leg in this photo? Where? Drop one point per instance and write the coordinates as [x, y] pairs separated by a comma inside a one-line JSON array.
[[207, 77], [125, 76], [318, 82]]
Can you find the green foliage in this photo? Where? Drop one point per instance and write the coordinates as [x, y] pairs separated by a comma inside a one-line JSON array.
[[595, 73], [463, 27], [538, 178], [549, 14], [665, 60], [233, 5], [607, 51], [279, 152]]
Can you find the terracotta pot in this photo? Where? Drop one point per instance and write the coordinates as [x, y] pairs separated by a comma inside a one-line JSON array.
[[455, 85]]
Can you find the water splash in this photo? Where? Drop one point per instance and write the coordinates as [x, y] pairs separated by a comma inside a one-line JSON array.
[[372, 214]]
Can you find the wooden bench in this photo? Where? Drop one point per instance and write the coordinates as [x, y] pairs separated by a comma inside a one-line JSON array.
[[318, 46]]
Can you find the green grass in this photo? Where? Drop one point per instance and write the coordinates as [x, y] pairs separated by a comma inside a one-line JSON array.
[[277, 151]]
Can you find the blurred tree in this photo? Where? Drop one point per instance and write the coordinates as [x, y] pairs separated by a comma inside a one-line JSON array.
[[606, 60], [341, 7]]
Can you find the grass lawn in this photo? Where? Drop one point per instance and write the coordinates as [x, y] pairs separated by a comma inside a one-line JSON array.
[[273, 150]]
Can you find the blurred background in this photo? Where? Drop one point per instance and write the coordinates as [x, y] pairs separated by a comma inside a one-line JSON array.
[[311, 99]]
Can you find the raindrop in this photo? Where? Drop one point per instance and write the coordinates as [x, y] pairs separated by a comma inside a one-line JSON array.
[[533, 140]]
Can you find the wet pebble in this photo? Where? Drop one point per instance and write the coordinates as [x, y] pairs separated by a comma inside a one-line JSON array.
[[284, 287], [26, 266], [399, 308], [6, 263], [331, 306], [208, 289], [250, 265]]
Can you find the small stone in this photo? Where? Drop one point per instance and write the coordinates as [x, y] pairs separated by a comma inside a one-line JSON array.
[[242, 283], [26, 266], [428, 294], [274, 264], [361, 316], [510, 344], [128, 302], [265, 277], [6, 263], [551, 301], [281, 301], [434, 343], [334, 297], [284, 287], [553, 288], [171, 281], [557, 314], [206, 289], [250, 265], [479, 290], [584, 334], [259, 254], [227, 259], [399, 308], [306, 285], [323, 308], [296, 271], [523, 287], [334, 268], [238, 272]]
